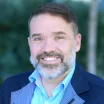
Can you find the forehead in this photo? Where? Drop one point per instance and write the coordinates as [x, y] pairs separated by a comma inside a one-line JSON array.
[[44, 23]]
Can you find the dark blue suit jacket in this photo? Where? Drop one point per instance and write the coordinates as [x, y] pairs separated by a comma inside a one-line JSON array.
[[89, 87]]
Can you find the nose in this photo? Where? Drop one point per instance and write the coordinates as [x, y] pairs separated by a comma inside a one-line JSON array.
[[48, 45]]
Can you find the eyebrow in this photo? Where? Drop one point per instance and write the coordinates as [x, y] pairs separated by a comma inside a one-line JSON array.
[[59, 32], [36, 34], [55, 33]]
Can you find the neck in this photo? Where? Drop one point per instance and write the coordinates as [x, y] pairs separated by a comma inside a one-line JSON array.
[[50, 84]]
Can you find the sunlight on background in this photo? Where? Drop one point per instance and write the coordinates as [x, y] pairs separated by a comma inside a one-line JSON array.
[[87, 1]]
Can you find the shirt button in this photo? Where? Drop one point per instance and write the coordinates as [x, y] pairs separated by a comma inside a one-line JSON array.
[[46, 102]]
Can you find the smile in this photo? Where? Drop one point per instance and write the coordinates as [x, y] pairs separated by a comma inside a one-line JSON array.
[[50, 58]]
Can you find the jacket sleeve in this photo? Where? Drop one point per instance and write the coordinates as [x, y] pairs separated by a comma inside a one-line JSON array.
[[5, 93]]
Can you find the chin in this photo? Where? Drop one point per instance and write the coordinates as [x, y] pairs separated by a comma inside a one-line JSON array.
[[50, 73]]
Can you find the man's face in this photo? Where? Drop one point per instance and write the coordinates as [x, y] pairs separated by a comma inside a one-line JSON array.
[[53, 45]]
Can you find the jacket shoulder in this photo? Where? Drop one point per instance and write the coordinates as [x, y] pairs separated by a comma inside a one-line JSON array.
[[11, 84], [19, 79], [95, 80], [91, 78]]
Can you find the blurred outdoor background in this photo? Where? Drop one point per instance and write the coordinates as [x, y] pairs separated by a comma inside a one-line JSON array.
[[14, 50]]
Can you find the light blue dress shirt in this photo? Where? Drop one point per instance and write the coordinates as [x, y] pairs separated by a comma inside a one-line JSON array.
[[40, 95]]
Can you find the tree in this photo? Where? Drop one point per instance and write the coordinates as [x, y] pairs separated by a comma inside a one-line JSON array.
[[92, 36]]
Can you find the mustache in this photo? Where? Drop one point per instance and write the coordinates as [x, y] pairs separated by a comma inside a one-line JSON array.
[[45, 54]]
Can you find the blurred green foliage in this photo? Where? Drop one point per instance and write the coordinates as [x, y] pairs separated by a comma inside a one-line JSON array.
[[14, 51], [82, 12]]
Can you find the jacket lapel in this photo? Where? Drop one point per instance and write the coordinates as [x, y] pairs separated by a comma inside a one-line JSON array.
[[70, 97], [23, 95], [79, 80], [78, 85]]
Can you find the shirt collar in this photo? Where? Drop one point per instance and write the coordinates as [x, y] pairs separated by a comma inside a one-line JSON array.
[[68, 77]]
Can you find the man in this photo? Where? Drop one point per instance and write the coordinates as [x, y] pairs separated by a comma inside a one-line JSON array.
[[57, 78]]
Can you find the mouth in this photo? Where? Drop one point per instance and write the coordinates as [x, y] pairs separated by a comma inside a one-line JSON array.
[[50, 60]]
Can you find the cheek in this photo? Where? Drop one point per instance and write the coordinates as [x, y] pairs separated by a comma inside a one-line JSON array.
[[65, 48], [35, 50]]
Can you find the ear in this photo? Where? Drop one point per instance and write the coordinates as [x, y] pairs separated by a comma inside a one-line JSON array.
[[78, 42], [29, 41]]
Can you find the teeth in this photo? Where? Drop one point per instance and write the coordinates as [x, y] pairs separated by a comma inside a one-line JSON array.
[[50, 59]]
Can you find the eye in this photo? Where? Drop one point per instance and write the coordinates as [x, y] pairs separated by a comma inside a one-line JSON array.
[[37, 39], [59, 37]]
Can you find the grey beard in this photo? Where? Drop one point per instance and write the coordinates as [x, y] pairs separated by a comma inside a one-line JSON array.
[[60, 69]]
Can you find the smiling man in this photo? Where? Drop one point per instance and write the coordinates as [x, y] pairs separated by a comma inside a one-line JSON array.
[[53, 48], [57, 78]]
